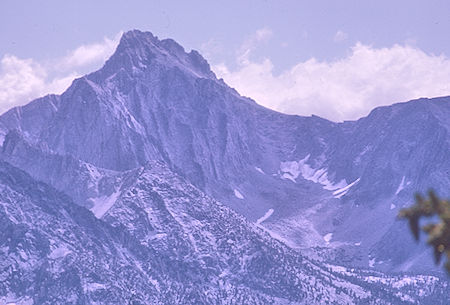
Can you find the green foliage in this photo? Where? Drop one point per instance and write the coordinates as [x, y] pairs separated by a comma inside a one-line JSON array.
[[438, 233]]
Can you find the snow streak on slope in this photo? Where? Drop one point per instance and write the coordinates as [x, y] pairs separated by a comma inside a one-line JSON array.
[[103, 204], [238, 194], [292, 169], [265, 217], [402, 185], [342, 191], [259, 170]]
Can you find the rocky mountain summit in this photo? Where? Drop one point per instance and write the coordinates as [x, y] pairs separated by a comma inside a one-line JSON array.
[[150, 181]]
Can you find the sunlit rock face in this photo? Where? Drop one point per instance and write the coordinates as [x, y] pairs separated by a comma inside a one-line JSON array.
[[153, 141]]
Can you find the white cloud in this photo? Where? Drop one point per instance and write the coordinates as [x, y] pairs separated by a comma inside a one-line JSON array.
[[22, 80], [343, 89], [261, 36], [211, 48], [340, 36], [91, 53]]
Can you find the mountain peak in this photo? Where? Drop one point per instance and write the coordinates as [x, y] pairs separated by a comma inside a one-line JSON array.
[[144, 51], [137, 34], [135, 39]]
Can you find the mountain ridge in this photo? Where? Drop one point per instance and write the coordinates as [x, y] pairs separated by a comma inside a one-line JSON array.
[[172, 115], [319, 186]]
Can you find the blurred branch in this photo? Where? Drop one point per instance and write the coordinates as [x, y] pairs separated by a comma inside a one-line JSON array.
[[438, 233]]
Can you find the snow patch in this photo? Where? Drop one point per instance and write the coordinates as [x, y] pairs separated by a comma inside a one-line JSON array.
[[11, 299], [103, 203], [265, 217], [371, 262], [339, 269], [288, 176], [259, 170], [414, 280], [357, 244], [342, 191], [405, 297], [280, 238], [238, 194], [292, 170], [59, 252], [327, 237], [23, 255], [401, 186], [93, 287], [93, 172], [393, 206]]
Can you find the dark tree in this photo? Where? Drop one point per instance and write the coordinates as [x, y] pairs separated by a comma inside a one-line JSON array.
[[439, 232]]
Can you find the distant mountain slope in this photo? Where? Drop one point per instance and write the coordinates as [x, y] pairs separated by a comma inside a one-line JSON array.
[[164, 242], [330, 189]]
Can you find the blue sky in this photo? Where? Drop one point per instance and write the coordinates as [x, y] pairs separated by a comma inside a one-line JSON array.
[[337, 59]]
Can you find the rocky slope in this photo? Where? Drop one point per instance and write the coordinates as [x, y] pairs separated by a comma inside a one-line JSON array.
[[165, 242]]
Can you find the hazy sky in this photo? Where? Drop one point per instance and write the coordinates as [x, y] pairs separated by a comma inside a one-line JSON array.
[[336, 59]]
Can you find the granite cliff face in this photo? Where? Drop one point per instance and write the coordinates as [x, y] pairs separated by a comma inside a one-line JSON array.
[[150, 143]]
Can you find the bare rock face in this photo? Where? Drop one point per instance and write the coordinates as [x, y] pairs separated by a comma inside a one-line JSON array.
[[153, 141]]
